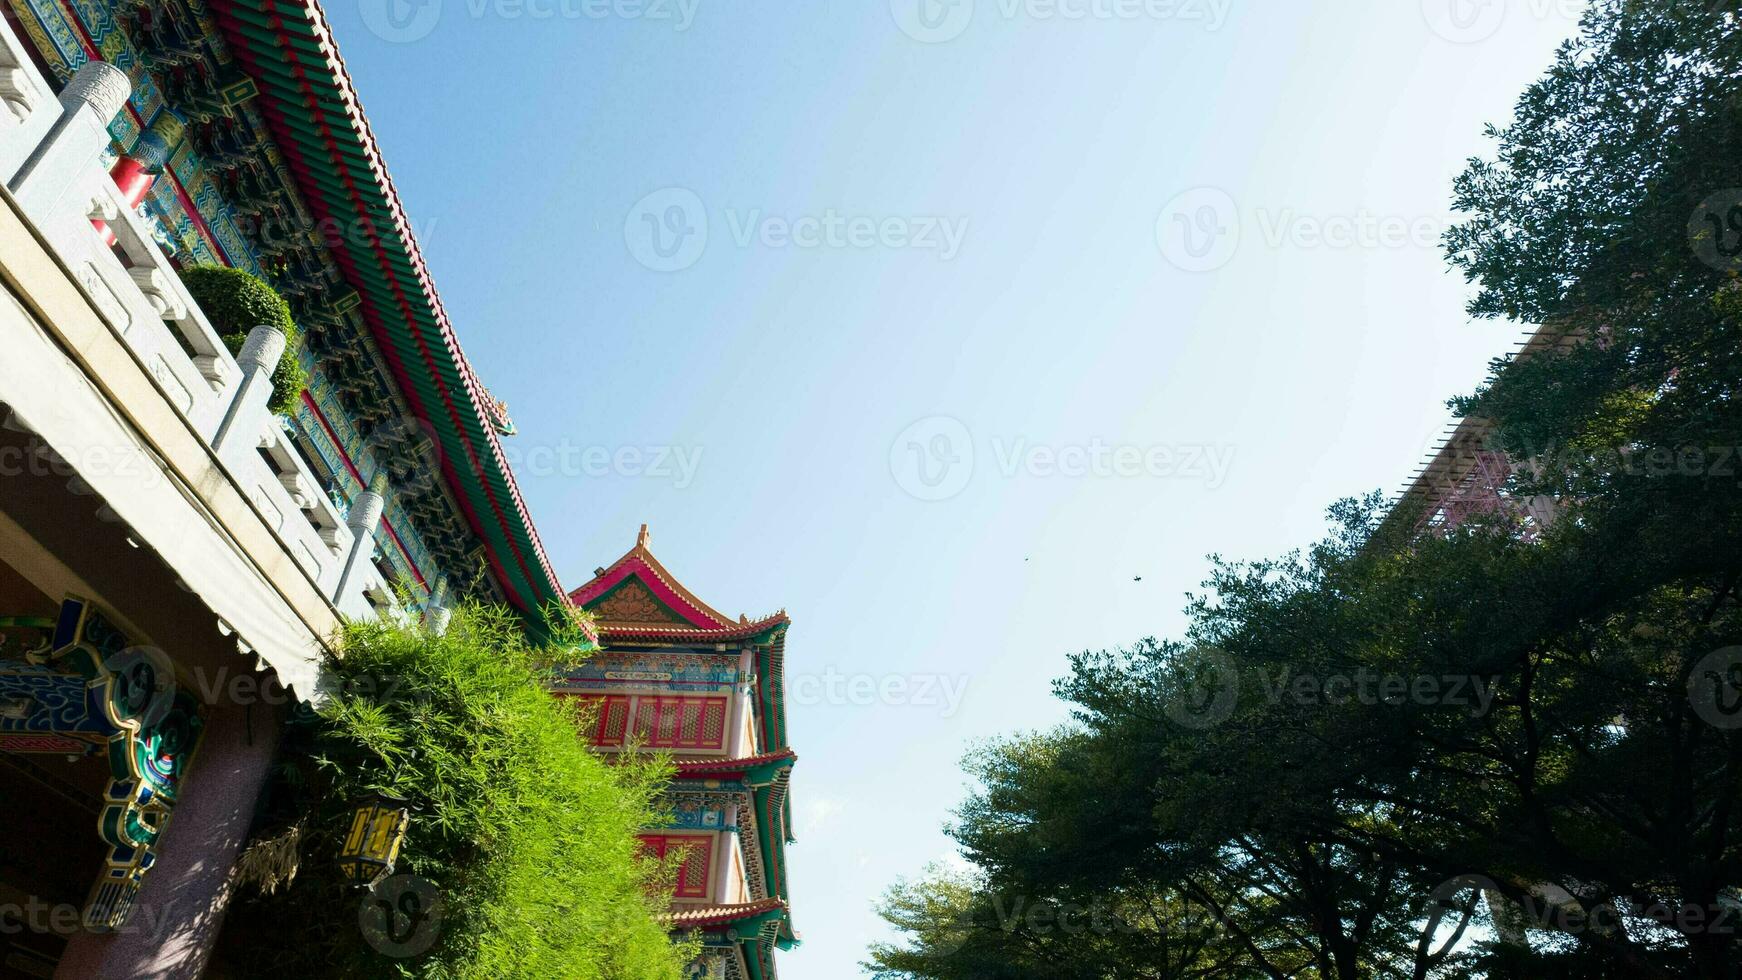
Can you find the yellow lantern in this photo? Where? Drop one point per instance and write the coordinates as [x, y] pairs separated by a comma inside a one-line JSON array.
[[372, 846]]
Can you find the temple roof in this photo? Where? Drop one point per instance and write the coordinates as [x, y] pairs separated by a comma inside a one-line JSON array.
[[749, 766], [308, 101], [705, 916], [636, 599]]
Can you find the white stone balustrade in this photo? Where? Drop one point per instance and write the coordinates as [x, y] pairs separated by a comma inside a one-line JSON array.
[[51, 160], [30, 106]]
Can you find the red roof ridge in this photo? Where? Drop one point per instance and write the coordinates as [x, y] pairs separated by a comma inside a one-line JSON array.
[[663, 633], [704, 620]]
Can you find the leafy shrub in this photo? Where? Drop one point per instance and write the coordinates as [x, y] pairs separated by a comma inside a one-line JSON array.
[[236, 302], [529, 837]]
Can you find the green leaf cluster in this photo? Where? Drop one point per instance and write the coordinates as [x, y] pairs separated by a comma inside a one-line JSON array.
[[529, 837], [235, 302]]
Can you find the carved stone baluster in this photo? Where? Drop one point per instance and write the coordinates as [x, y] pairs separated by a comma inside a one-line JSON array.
[[71, 150], [259, 356]]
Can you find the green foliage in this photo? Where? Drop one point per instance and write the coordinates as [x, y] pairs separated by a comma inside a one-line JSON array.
[[236, 302], [573, 638], [1536, 806], [529, 837]]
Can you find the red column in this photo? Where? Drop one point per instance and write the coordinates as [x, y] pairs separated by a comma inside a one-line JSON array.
[[180, 909], [136, 170]]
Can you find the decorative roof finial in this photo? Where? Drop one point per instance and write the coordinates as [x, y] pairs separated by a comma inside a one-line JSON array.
[[642, 538]]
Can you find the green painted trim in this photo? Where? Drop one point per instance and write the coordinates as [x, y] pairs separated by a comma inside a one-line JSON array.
[[752, 960], [282, 52]]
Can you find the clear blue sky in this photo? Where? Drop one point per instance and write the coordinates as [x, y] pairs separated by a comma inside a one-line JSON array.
[[982, 233]]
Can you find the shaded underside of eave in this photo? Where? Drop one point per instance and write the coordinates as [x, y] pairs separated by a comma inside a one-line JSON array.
[[322, 133], [754, 771], [773, 692], [773, 839]]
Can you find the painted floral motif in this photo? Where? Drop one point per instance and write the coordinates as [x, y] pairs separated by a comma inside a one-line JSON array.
[[634, 603]]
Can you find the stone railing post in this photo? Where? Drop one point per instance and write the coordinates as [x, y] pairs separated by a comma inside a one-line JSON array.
[[364, 515], [69, 153], [437, 613], [259, 356]]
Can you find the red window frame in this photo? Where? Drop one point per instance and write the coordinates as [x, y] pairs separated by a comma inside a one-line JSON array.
[[613, 721], [698, 861], [681, 722]]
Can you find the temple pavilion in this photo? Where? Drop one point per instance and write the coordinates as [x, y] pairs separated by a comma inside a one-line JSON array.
[[679, 677]]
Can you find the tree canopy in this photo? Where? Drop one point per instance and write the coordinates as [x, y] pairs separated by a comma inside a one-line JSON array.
[[1502, 749]]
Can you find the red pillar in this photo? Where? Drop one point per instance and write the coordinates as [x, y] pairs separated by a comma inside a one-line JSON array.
[[136, 170], [181, 905]]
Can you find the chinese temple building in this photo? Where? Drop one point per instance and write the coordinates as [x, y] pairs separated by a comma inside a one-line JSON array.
[[176, 557], [1467, 477], [678, 677]]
